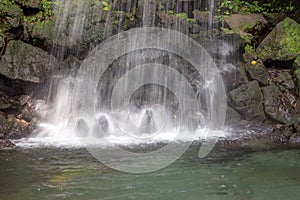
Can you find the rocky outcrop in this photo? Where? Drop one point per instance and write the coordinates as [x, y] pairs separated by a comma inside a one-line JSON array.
[[282, 44], [25, 62], [247, 100], [240, 23], [257, 71], [275, 107]]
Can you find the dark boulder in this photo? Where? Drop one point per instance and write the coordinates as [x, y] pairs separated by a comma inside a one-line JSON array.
[[276, 107], [25, 62], [247, 100]]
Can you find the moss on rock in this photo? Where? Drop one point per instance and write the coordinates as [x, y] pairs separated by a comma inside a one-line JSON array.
[[283, 42]]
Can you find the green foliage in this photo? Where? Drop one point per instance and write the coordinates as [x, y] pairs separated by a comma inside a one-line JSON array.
[[47, 7], [227, 30], [105, 6], [291, 38], [181, 15], [8, 2], [249, 48], [229, 7]]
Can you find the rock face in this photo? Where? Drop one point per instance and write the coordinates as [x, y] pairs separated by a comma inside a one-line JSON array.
[[274, 107], [232, 116], [258, 72], [6, 143], [36, 4], [25, 62], [282, 44], [296, 73], [239, 23], [247, 100]]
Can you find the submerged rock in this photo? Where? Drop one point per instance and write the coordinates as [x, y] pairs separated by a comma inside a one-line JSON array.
[[25, 62], [282, 43], [247, 100]]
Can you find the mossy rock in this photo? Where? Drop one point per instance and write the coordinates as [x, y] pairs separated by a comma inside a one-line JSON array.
[[44, 31], [242, 23], [36, 4], [282, 43], [11, 16], [25, 62]]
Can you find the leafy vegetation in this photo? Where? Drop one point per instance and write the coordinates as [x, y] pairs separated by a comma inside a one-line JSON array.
[[181, 15], [267, 6]]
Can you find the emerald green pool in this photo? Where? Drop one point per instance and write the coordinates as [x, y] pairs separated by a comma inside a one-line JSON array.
[[60, 173]]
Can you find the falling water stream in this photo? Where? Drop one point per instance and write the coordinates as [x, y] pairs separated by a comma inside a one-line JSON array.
[[124, 92]]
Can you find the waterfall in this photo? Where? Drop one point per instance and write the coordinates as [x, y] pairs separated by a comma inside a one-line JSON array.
[[147, 84]]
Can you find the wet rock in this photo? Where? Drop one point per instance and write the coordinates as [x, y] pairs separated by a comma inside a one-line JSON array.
[[202, 17], [232, 116], [223, 46], [25, 62], [258, 72], [82, 128], [296, 73], [232, 75], [18, 128], [23, 99], [44, 32], [275, 107], [70, 65], [282, 43], [241, 74], [247, 100], [173, 22], [239, 23], [294, 139], [283, 79], [2, 43], [195, 28], [4, 125], [5, 143]]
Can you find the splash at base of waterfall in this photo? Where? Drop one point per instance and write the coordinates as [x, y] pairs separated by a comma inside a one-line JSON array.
[[69, 139], [126, 128]]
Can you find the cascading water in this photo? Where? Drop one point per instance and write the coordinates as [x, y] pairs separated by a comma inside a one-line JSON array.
[[132, 88]]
